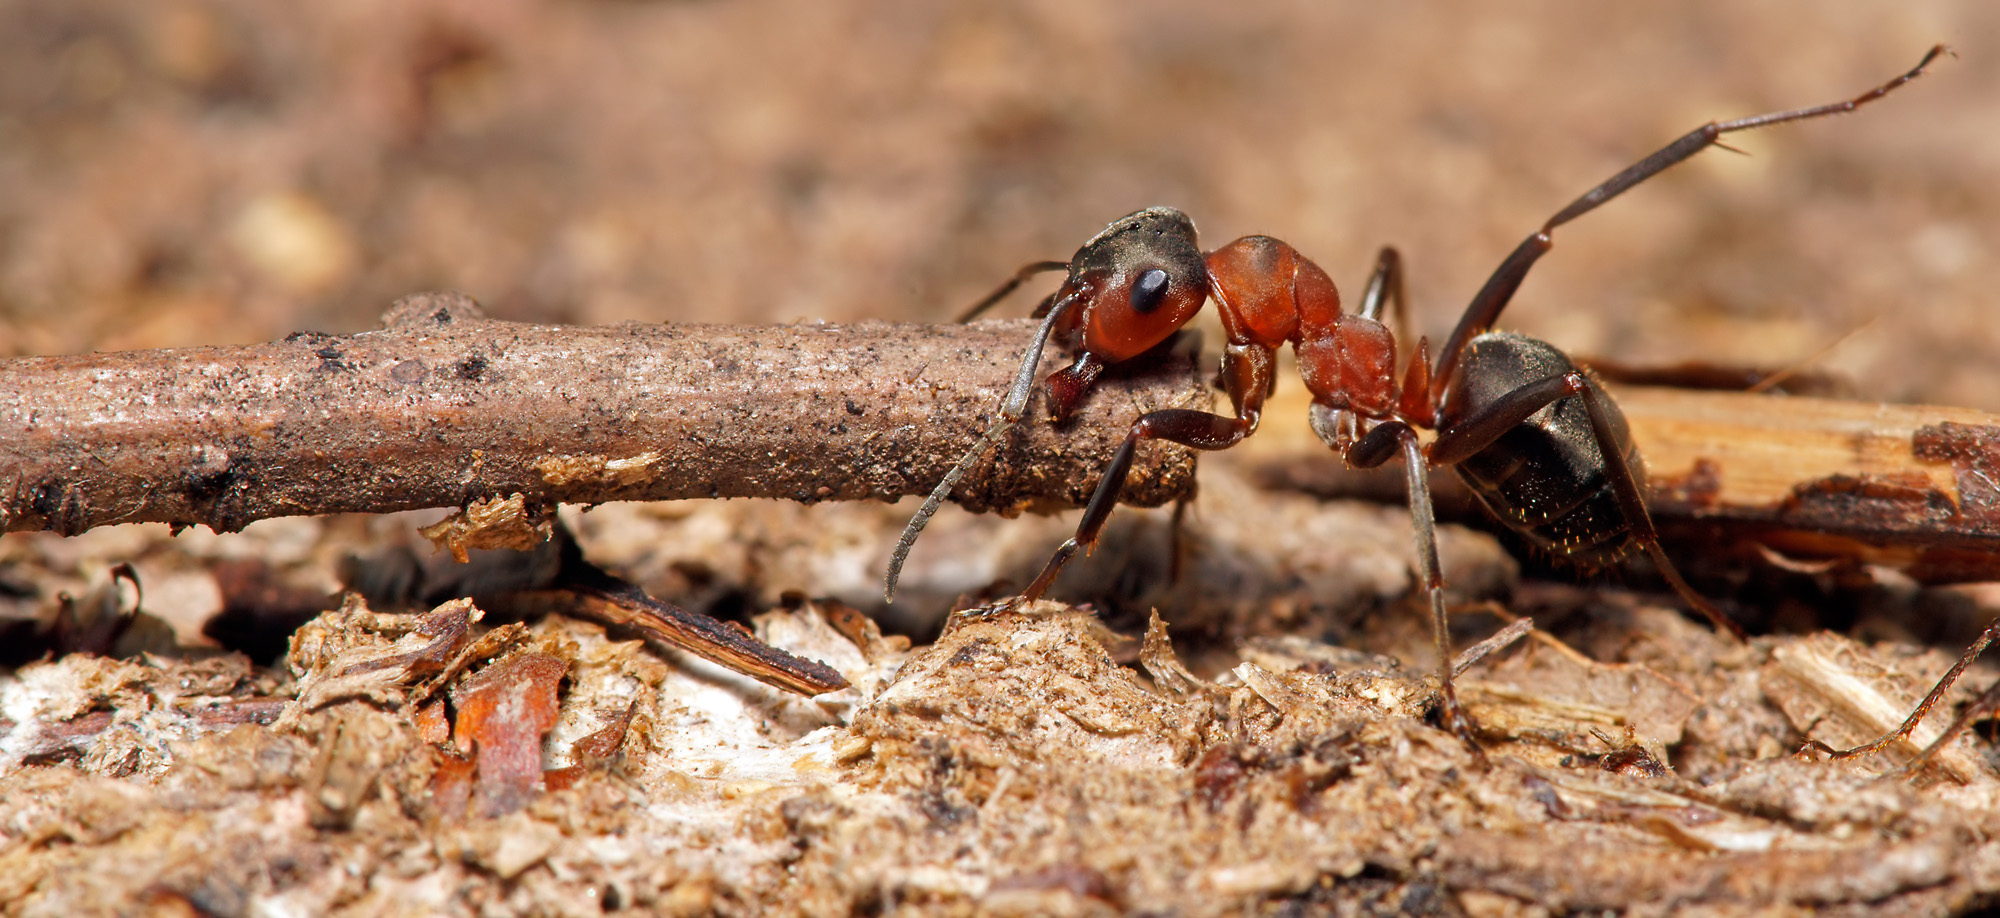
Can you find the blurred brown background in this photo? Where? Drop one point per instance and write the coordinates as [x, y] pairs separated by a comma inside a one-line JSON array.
[[176, 172]]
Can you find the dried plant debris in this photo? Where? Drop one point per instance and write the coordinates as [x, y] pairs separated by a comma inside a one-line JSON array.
[[497, 522], [419, 766], [119, 718], [1029, 763]]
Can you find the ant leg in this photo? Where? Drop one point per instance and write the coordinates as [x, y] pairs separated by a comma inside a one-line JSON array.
[[1480, 430], [1626, 486], [1923, 709], [1021, 276], [1197, 429], [1385, 288], [1247, 370], [1067, 387], [1373, 449], [1384, 293], [1011, 411], [1177, 541], [1984, 704], [1499, 289]]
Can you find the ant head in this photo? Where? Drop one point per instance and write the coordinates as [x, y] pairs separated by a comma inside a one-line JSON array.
[[1139, 281]]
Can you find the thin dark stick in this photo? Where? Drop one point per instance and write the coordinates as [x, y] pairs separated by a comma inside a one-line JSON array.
[[614, 602]]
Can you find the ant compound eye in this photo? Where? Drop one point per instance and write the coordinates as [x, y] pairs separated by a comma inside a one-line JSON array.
[[1149, 290]]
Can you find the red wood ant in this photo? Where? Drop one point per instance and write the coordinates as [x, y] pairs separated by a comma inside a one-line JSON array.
[[1532, 434]]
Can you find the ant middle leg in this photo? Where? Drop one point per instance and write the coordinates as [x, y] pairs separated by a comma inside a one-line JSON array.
[[1455, 443], [1499, 289], [1187, 427], [1374, 448]]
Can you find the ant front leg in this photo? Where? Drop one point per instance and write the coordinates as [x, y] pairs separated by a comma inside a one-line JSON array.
[[1011, 411], [1247, 375]]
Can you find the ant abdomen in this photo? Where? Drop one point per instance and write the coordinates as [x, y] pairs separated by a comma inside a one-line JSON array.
[[1546, 477]]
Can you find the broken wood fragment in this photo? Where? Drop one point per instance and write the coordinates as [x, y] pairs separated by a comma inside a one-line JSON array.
[[1907, 486], [503, 711]]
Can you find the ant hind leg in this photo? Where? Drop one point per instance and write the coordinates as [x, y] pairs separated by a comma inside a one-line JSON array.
[[1499, 289], [1480, 430], [1924, 707]]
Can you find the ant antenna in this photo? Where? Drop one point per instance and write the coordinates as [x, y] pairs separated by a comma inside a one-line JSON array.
[[1011, 412], [1027, 272], [1772, 381]]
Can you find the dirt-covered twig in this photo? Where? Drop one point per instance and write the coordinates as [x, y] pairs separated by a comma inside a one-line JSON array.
[[443, 407]]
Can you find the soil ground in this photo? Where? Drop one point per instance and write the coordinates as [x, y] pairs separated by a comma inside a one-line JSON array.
[[180, 173]]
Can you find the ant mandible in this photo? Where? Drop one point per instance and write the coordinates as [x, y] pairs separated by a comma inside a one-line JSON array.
[[1531, 433]]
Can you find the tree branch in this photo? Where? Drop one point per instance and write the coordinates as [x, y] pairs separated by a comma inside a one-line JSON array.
[[443, 407]]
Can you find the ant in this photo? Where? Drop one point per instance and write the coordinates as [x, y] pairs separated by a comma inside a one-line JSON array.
[[1530, 432]]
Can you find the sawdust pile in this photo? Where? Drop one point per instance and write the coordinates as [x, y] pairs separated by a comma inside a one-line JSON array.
[[422, 765]]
